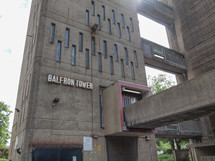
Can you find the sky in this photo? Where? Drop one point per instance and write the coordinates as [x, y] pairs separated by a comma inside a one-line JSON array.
[[14, 16]]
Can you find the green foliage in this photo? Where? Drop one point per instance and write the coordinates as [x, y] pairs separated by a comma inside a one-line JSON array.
[[165, 157], [4, 124], [159, 83], [4, 154]]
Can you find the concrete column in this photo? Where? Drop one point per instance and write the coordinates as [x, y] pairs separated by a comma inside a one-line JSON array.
[[147, 149]]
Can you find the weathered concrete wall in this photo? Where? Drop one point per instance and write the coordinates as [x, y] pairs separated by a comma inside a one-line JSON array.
[[189, 100], [77, 114]]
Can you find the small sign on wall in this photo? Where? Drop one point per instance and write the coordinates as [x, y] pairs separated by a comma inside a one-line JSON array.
[[74, 158], [88, 144]]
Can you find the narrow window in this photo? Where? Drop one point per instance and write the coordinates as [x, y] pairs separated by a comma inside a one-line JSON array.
[[126, 56], [131, 25], [100, 62], [105, 49], [93, 8], [109, 26], [103, 12], [73, 54], [87, 17], [122, 21], [58, 51], [122, 68], [87, 59], [113, 17], [67, 38], [119, 30], [98, 22], [93, 46], [101, 107], [52, 33], [132, 70], [135, 59], [80, 42], [111, 65], [128, 33], [116, 52]]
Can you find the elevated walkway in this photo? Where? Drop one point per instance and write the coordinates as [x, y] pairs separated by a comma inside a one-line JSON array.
[[192, 99]]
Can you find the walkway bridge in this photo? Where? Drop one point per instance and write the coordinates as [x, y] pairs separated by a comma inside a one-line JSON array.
[[189, 100]]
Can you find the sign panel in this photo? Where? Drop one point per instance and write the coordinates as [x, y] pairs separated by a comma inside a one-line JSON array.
[[88, 141]]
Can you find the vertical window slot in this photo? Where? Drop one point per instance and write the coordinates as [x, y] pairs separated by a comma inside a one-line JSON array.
[[119, 30], [132, 71], [105, 49], [87, 59], [87, 17], [80, 41], [52, 33], [109, 26], [116, 52], [67, 38], [93, 8], [122, 21], [100, 62], [126, 56], [111, 66], [122, 68], [93, 46], [73, 54], [103, 12], [135, 59], [113, 17], [58, 51]]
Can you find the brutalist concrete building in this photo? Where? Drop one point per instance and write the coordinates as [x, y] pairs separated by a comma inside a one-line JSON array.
[[84, 69]]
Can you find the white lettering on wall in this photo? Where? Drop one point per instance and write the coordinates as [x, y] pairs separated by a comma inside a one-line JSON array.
[[69, 82]]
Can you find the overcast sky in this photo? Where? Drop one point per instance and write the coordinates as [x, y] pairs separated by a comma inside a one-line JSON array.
[[14, 16]]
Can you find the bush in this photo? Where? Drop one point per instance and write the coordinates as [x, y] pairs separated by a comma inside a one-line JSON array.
[[165, 157]]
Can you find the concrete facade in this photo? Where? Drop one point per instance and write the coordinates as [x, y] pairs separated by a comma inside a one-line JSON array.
[[56, 115]]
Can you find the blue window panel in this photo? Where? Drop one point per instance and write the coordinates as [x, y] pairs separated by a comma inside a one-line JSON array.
[[98, 22], [109, 26], [111, 65], [122, 68], [135, 59], [52, 33], [93, 8], [67, 38], [93, 46], [119, 30], [113, 17], [128, 34], [58, 51], [80, 42], [73, 54], [122, 21], [87, 17], [126, 56], [100, 62], [131, 25], [87, 59], [105, 49], [103, 12], [132, 71], [116, 52]]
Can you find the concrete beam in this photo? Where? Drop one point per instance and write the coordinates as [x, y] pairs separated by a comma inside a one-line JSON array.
[[189, 100], [157, 11]]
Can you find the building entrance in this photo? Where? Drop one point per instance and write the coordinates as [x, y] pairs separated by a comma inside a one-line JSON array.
[[57, 154], [122, 148]]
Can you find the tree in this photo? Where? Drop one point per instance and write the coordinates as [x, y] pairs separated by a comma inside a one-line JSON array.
[[158, 84], [4, 124]]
